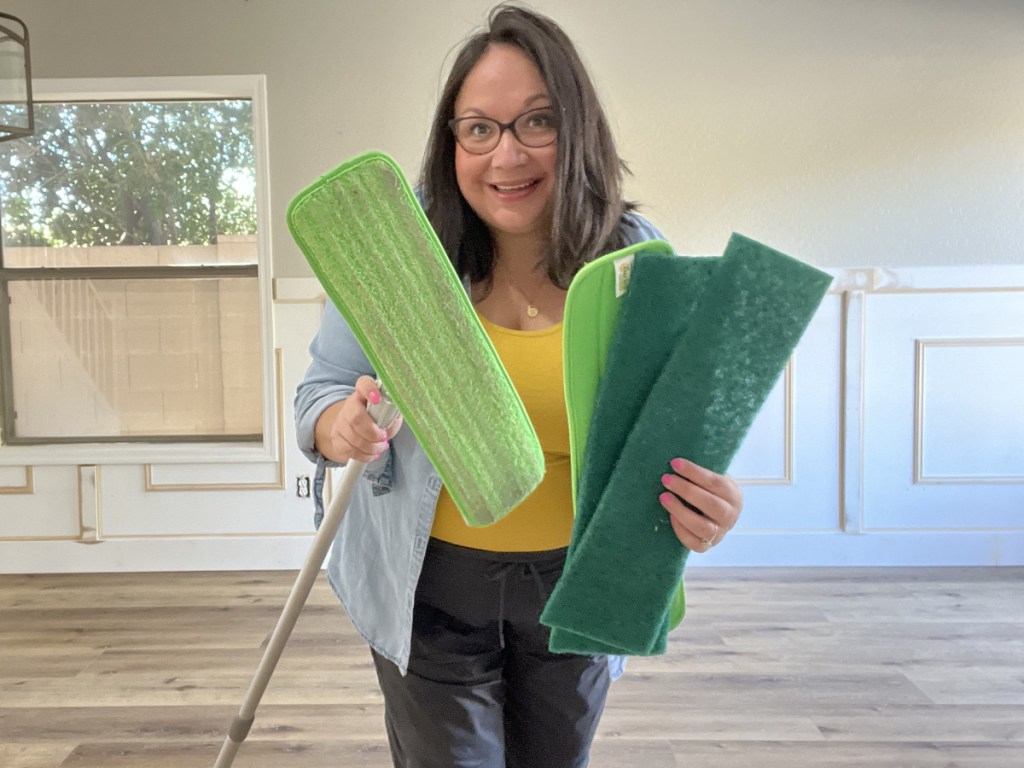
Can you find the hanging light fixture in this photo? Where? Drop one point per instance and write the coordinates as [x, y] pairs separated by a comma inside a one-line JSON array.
[[16, 119]]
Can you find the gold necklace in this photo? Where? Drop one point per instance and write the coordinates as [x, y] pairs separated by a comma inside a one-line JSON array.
[[531, 308]]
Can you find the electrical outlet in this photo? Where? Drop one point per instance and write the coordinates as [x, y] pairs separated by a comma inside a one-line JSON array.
[[302, 486]]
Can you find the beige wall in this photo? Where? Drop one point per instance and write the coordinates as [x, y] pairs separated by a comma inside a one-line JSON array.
[[847, 132]]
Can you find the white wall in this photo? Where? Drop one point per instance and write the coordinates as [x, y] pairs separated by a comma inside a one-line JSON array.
[[846, 132]]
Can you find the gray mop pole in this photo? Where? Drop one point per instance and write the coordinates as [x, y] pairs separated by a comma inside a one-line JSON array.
[[382, 413]]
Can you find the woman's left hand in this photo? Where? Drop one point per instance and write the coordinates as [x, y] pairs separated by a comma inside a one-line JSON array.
[[716, 498]]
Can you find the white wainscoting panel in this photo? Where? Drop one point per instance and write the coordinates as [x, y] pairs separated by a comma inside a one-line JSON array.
[[15, 480], [970, 423], [38, 503], [789, 464], [129, 510], [943, 427], [766, 456]]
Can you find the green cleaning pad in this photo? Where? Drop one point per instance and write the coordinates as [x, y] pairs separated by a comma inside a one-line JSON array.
[[662, 295], [370, 244], [588, 324], [623, 570]]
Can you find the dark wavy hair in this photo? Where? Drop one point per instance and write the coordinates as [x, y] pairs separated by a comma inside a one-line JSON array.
[[588, 204]]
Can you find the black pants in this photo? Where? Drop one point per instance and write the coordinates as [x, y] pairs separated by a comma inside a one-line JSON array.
[[483, 690]]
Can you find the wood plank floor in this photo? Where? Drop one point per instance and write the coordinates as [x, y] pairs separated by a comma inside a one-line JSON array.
[[830, 668]]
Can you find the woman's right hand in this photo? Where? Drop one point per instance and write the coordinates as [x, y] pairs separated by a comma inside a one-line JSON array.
[[346, 431]]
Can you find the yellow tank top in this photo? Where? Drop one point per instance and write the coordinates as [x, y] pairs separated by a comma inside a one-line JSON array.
[[543, 521]]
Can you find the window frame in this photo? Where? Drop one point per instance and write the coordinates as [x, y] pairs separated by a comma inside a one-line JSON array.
[[179, 449]]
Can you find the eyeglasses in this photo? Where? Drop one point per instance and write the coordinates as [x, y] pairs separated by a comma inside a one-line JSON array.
[[479, 135]]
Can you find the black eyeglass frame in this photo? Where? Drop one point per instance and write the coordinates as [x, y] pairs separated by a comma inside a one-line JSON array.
[[453, 124]]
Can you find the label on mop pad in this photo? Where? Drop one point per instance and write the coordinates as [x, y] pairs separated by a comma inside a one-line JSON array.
[[623, 269]]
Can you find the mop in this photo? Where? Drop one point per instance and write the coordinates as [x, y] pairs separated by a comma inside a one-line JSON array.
[[370, 244], [367, 239]]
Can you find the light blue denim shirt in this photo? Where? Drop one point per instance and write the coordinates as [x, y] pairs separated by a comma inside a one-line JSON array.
[[375, 562]]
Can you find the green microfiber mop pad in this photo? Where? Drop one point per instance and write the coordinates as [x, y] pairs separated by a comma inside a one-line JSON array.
[[663, 293], [619, 581], [370, 244]]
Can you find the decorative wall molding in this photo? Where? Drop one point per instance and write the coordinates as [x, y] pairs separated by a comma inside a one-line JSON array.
[[90, 505], [851, 410], [922, 346], [942, 416], [26, 488], [299, 290], [786, 478], [865, 406]]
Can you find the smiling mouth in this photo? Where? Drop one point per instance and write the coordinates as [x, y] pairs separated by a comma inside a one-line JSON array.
[[510, 188]]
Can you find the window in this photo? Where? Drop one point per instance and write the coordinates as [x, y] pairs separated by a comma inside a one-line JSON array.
[[133, 301]]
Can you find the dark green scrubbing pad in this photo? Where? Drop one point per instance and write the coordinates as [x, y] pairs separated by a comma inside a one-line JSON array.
[[618, 583], [658, 307], [590, 320], [369, 242]]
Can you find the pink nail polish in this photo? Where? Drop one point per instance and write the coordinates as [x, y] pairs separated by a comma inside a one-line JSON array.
[[665, 498], [666, 479], [374, 398], [677, 464]]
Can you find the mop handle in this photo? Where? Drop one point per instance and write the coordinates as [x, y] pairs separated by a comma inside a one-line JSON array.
[[383, 413]]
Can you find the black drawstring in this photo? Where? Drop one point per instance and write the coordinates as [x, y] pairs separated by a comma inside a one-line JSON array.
[[499, 572], [541, 589]]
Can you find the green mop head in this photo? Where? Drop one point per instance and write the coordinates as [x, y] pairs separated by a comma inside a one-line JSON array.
[[370, 244], [737, 324]]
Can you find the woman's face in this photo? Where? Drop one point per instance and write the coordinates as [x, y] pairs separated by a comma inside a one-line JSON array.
[[511, 188]]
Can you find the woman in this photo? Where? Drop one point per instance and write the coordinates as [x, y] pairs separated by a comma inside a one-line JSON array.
[[522, 183]]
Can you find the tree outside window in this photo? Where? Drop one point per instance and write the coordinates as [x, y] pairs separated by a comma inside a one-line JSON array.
[[129, 274]]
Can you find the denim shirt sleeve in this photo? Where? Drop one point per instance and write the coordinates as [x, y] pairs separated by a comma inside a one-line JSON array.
[[337, 361], [636, 229]]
